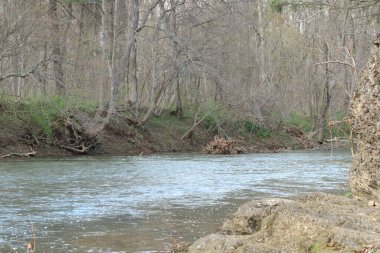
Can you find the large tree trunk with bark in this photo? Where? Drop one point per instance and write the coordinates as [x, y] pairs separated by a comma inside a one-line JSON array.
[[365, 121]]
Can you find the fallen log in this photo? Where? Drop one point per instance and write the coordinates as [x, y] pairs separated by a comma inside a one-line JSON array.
[[28, 154]]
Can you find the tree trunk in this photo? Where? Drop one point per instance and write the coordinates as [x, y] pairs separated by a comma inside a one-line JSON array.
[[155, 72], [56, 48], [131, 53], [326, 98], [16, 80], [261, 42], [177, 93]]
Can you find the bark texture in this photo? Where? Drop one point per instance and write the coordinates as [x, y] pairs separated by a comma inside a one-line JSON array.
[[365, 121]]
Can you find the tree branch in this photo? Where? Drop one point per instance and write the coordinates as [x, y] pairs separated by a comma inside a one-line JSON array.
[[337, 62], [28, 71]]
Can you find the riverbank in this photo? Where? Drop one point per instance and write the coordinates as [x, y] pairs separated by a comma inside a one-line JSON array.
[[313, 223], [54, 128]]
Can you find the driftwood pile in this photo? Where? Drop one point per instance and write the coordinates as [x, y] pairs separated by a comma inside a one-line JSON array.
[[222, 146]]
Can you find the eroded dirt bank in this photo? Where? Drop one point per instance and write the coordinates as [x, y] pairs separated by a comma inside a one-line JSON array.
[[314, 223], [160, 134]]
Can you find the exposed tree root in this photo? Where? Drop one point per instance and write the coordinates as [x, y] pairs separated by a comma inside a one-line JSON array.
[[72, 135], [80, 150]]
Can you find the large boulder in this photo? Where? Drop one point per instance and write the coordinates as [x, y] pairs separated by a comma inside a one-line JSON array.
[[365, 121], [314, 223]]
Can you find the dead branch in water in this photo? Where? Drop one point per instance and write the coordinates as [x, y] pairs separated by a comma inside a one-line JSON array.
[[32, 153]]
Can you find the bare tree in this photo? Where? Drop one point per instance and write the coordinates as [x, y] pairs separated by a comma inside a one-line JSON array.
[[57, 55]]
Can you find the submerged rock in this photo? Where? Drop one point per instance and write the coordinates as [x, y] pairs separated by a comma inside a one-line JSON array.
[[317, 222]]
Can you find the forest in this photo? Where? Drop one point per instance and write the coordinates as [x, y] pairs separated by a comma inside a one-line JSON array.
[[79, 65], [122, 79]]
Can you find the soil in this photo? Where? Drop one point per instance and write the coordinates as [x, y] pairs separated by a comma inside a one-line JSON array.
[[163, 134]]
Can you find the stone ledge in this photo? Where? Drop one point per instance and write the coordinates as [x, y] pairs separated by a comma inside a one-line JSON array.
[[316, 222]]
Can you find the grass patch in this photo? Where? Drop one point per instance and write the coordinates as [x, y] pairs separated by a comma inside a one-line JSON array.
[[251, 128], [37, 115], [348, 195], [314, 248], [169, 123], [300, 121]]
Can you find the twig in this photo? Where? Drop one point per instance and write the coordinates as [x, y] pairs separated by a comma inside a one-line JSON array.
[[317, 13], [196, 123], [337, 62], [28, 71]]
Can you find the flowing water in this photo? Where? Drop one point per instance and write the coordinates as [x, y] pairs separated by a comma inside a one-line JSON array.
[[146, 203]]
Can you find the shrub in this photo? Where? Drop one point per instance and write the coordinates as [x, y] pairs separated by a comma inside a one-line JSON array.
[[43, 112], [210, 122]]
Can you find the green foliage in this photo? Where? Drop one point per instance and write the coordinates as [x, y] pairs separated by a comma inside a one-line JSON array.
[[340, 115], [298, 120], [43, 111], [210, 122], [341, 129], [237, 125], [314, 248], [277, 5], [263, 132], [88, 106], [250, 127], [349, 195], [38, 114], [169, 123]]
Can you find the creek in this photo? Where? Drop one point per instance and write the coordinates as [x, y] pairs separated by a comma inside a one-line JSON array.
[[147, 203]]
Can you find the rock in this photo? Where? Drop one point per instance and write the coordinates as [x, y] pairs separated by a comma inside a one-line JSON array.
[[365, 121], [373, 203], [315, 221]]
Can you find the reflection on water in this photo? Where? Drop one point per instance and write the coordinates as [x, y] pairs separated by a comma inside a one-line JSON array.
[[131, 204]]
